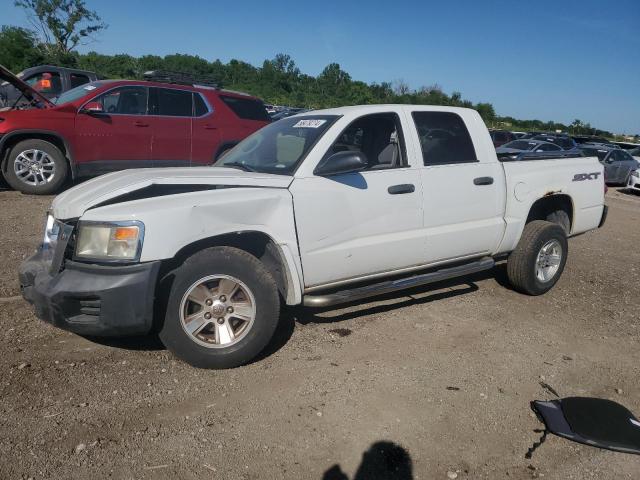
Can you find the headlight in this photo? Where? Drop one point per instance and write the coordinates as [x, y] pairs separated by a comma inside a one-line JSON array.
[[635, 173], [118, 241]]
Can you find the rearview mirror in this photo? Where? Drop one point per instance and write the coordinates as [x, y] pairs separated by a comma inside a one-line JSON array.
[[92, 108], [340, 163]]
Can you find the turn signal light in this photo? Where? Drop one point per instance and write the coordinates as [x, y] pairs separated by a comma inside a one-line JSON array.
[[125, 233]]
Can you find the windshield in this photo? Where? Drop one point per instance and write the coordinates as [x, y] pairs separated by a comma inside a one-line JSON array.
[[520, 145], [78, 92], [635, 152], [279, 147]]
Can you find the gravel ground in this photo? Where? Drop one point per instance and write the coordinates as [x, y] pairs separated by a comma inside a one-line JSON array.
[[442, 376]]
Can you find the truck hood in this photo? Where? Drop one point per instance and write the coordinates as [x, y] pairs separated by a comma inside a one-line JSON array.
[[128, 185], [31, 94]]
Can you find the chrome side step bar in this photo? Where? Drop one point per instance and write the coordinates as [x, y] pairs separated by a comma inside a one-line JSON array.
[[381, 288]]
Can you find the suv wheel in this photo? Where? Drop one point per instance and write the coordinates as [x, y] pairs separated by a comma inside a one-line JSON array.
[[36, 167], [223, 309], [536, 264]]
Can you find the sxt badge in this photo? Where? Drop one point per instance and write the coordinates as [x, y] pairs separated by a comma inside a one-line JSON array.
[[579, 177]]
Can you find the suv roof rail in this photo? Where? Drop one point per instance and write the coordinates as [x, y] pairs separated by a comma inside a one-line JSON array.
[[181, 78]]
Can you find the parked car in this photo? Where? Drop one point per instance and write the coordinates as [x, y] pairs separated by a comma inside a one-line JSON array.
[[635, 153], [111, 125], [618, 163], [580, 139], [518, 146], [500, 137], [287, 112], [517, 135], [564, 141], [531, 135], [323, 208], [633, 183], [47, 80]]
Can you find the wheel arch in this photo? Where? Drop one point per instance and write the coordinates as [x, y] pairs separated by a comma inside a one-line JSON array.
[[259, 244], [549, 203], [8, 141]]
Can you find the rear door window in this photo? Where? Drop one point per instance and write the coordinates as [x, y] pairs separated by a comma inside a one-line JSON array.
[[444, 138], [171, 102], [246, 108], [548, 147]]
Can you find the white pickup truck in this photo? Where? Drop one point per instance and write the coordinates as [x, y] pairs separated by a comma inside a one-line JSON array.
[[321, 208]]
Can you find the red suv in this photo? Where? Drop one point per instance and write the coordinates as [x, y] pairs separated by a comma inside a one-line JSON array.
[[110, 125]]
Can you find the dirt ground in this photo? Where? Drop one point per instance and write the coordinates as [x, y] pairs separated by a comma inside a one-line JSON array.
[[432, 383]]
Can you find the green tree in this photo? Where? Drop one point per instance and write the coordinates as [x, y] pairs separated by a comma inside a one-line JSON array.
[[19, 48], [62, 24]]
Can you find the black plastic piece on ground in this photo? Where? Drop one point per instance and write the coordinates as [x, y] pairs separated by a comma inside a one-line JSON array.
[[596, 422]]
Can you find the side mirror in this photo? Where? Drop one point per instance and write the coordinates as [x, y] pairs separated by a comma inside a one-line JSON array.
[[341, 162], [92, 108]]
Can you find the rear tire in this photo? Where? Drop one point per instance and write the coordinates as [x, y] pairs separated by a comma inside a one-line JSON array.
[[36, 167], [536, 264], [223, 309]]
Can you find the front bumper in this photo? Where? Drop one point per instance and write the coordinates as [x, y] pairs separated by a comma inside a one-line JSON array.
[[633, 183], [91, 299]]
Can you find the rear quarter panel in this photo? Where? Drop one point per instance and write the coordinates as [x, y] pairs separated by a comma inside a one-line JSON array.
[[528, 181]]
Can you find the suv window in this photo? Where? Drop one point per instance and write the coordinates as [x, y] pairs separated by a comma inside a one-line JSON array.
[[46, 83], [199, 107], [78, 79], [171, 102], [125, 101], [444, 138], [246, 108], [378, 137]]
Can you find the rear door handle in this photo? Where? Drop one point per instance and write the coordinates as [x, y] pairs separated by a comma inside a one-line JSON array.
[[140, 124], [402, 188], [483, 181], [210, 127]]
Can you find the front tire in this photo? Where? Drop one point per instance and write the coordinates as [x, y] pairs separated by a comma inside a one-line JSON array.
[[536, 264], [223, 309], [36, 167]]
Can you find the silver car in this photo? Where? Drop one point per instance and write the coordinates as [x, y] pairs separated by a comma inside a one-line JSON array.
[[618, 163]]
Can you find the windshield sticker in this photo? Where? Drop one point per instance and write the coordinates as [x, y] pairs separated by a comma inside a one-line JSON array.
[[90, 87], [309, 123]]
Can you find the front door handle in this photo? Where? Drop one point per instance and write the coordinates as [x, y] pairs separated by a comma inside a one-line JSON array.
[[140, 124], [483, 181], [402, 188]]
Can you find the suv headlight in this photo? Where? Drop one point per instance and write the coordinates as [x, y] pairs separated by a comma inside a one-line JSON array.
[[110, 241]]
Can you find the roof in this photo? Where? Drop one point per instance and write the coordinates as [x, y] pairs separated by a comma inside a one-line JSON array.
[[354, 109], [53, 67], [174, 85], [597, 146]]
